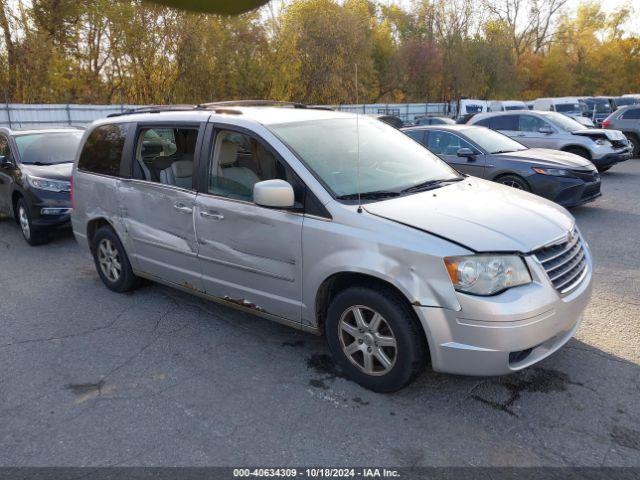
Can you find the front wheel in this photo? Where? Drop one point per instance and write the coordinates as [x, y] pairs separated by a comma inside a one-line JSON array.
[[635, 143], [514, 181], [112, 261], [376, 339], [32, 234]]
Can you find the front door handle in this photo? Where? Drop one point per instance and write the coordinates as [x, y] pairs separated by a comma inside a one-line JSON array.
[[211, 215], [182, 208]]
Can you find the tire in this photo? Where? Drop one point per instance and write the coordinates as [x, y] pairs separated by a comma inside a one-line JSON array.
[[514, 181], [33, 235], [581, 152], [636, 145], [396, 324], [112, 262]]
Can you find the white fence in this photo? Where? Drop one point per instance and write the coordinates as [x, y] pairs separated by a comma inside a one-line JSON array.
[[15, 115], [406, 111]]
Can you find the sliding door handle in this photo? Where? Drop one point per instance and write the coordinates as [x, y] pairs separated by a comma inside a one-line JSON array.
[[211, 215]]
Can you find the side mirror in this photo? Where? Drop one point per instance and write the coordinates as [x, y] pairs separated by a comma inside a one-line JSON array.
[[273, 194], [4, 162], [465, 152], [546, 130]]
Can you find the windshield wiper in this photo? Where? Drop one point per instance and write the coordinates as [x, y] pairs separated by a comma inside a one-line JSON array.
[[369, 195], [45, 164], [430, 185], [504, 151]]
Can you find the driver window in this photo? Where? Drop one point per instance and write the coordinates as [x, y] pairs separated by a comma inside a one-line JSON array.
[[239, 162], [444, 143], [529, 123]]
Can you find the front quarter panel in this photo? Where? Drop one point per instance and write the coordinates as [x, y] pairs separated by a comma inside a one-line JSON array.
[[407, 258]]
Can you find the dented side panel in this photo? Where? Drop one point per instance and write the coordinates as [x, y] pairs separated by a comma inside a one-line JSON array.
[[160, 229]]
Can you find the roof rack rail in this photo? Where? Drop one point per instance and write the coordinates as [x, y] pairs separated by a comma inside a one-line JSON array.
[[252, 103], [153, 109]]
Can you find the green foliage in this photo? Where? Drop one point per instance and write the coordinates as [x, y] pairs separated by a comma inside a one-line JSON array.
[[134, 51]]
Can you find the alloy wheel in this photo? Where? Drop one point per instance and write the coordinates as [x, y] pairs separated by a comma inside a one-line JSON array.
[[24, 222], [512, 184], [109, 260], [367, 340]]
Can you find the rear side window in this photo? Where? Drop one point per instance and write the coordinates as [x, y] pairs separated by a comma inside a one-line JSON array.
[[504, 122], [102, 153], [485, 122], [632, 114], [417, 135]]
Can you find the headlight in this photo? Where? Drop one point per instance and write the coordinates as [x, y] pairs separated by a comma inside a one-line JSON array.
[[602, 142], [556, 172], [50, 185], [487, 274]]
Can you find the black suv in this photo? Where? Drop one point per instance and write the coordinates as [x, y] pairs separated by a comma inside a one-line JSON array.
[[35, 176]]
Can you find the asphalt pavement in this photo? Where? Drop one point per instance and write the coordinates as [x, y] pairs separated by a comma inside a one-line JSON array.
[[158, 377]]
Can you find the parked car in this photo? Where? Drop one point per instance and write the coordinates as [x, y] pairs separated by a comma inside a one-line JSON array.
[[506, 105], [561, 177], [553, 130], [569, 106], [470, 106], [627, 120], [596, 109], [35, 170], [434, 121], [334, 224]]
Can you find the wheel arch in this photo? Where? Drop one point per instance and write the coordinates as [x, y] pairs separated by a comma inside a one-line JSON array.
[[568, 148], [93, 225]]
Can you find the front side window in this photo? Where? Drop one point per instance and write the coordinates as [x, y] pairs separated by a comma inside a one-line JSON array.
[[165, 155], [445, 143], [48, 148], [102, 153], [239, 162], [351, 157], [529, 123]]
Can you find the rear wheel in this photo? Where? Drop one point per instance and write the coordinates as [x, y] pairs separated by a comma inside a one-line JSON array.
[[112, 261], [375, 337], [32, 234], [514, 181]]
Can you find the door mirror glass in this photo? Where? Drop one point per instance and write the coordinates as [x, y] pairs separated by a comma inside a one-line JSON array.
[[273, 194], [3, 160], [465, 152], [546, 130]]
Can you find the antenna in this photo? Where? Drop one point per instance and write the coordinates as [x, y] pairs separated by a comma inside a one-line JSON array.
[[358, 146]]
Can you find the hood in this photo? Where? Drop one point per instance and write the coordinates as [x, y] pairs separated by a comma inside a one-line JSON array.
[[61, 171], [481, 215], [582, 120], [611, 135], [551, 158]]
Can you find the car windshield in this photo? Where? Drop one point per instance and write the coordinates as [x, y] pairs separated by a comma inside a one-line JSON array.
[[515, 107], [563, 122], [568, 107], [492, 141], [48, 148], [389, 161], [601, 106]]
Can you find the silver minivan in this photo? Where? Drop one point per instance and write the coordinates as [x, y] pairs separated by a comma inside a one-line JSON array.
[[335, 224]]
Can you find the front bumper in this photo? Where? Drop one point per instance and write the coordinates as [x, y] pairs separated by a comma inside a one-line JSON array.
[[39, 200], [565, 191], [611, 159], [507, 332]]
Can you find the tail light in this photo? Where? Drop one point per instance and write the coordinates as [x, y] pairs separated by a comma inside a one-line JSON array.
[[606, 123], [71, 191]]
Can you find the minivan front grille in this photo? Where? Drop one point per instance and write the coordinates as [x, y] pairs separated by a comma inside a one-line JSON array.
[[565, 263]]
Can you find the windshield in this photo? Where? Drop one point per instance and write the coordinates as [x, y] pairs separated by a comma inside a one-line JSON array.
[[621, 101], [568, 108], [563, 122], [48, 148], [389, 159], [515, 107], [492, 141], [601, 106]]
